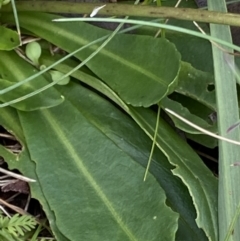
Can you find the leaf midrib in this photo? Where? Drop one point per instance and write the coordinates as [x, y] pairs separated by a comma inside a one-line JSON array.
[[83, 169]]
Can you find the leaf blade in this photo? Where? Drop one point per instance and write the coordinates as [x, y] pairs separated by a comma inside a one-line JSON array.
[[115, 194], [149, 81]]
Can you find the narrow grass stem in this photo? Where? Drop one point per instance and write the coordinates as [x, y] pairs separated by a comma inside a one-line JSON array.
[[153, 144]]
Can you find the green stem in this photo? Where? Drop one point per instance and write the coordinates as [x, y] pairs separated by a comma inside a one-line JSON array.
[[112, 9]]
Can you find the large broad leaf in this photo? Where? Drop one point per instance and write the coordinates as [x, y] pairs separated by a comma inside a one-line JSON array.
[[198, 115], [141, 69], [180, 154], [138, 148], [176, 193], [14, 69], [95, 190], [135, 143], [9, 39]]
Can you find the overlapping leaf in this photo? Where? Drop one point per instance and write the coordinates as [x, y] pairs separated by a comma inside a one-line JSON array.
[[141, 69], [99, 186], [81, 124], [167, 138]]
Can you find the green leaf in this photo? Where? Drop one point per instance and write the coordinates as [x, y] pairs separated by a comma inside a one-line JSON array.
[[202, 185], [10, 120], [5, 236], [17, 225], [177, 194], [194, 100], [102, 190], [194, 50], [141, 69], [198, 85], [9, 39], [184, 112], [22, 70]]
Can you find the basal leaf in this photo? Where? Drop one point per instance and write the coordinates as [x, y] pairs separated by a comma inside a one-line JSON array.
[[14, 69], [141, 69], [180, 202], [9, 39], [132, 140], [95, 190]]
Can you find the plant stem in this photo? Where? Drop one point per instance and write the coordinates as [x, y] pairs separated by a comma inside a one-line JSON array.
[[112, 9]]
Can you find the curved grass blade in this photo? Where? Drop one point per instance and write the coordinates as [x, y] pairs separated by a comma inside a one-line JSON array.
[[16, 19], [152, 24], [153, 144]]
